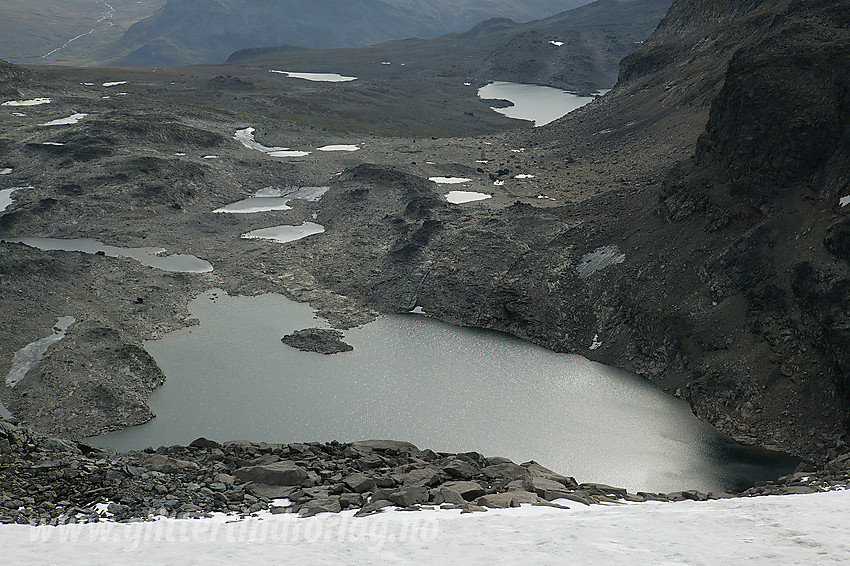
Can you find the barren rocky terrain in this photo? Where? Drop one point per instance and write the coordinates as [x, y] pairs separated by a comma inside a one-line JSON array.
[[689, 220], [49, 481]]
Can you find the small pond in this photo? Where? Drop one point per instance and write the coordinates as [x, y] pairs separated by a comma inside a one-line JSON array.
[[152, 257], [539, 104]]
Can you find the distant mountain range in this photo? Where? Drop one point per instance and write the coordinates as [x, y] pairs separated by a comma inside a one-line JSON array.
[[207, 31], [579, 50], [73, 32]]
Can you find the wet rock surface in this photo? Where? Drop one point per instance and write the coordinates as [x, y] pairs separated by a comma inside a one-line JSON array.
[[319, 340], [46, 480]]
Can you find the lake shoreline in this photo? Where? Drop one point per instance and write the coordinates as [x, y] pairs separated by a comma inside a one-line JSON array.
[[243, 478]]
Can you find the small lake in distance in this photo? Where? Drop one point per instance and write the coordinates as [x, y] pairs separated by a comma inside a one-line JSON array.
[[539, 104], [438, 386]]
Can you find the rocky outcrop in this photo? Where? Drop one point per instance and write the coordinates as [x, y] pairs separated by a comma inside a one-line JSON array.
[[319, 340], [50, 481]]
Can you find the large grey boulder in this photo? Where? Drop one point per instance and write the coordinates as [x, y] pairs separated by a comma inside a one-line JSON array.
[[540, 485], [536, 470], [348, 500], [504, 471], [359, 483], [374, 507], [461, 469], [409, 496], [469, 490], [278, 473], [508, 499], [316, 506], [271, 491], [165, 464], [427, 476], [444, 494], [386, 446], [841, 463]]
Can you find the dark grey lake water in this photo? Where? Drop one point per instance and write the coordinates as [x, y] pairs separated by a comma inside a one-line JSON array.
[[438, 386]]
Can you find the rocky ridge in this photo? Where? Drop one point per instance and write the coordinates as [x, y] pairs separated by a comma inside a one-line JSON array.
[[185, 32], [50, 481], [579, 49]]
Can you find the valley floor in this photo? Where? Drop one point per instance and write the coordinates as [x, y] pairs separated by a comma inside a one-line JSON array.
[[793, 529]]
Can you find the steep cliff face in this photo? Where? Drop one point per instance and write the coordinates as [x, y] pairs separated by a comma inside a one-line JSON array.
[[763, 188], [769, 171]]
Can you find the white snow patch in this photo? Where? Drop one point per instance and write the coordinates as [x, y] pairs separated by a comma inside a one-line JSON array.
[[461, 197], [599, 260], [87, 84], [69, 121], [290, 153], [53, 143], [284, 234], [545, 197], [271, 199], [596, 343], [557, 43], [6, 197], [844, 201], [31, 102], [6, 171], [498, 182], [449, 180], [385, 63], [317, 77], [115, 83], [19, 114], [792, 529], [339, 148], [524, 176], [417, 310], [255, 204], [180, 154], [310, 194], [467, 84], [482, 161], [32, 353], [211, 157], [246, 138]]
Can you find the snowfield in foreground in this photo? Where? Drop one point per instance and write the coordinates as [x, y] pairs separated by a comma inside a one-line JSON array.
[[807, 529]]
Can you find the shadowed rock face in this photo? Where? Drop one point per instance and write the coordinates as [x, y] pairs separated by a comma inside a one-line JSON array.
[[777, 139]]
